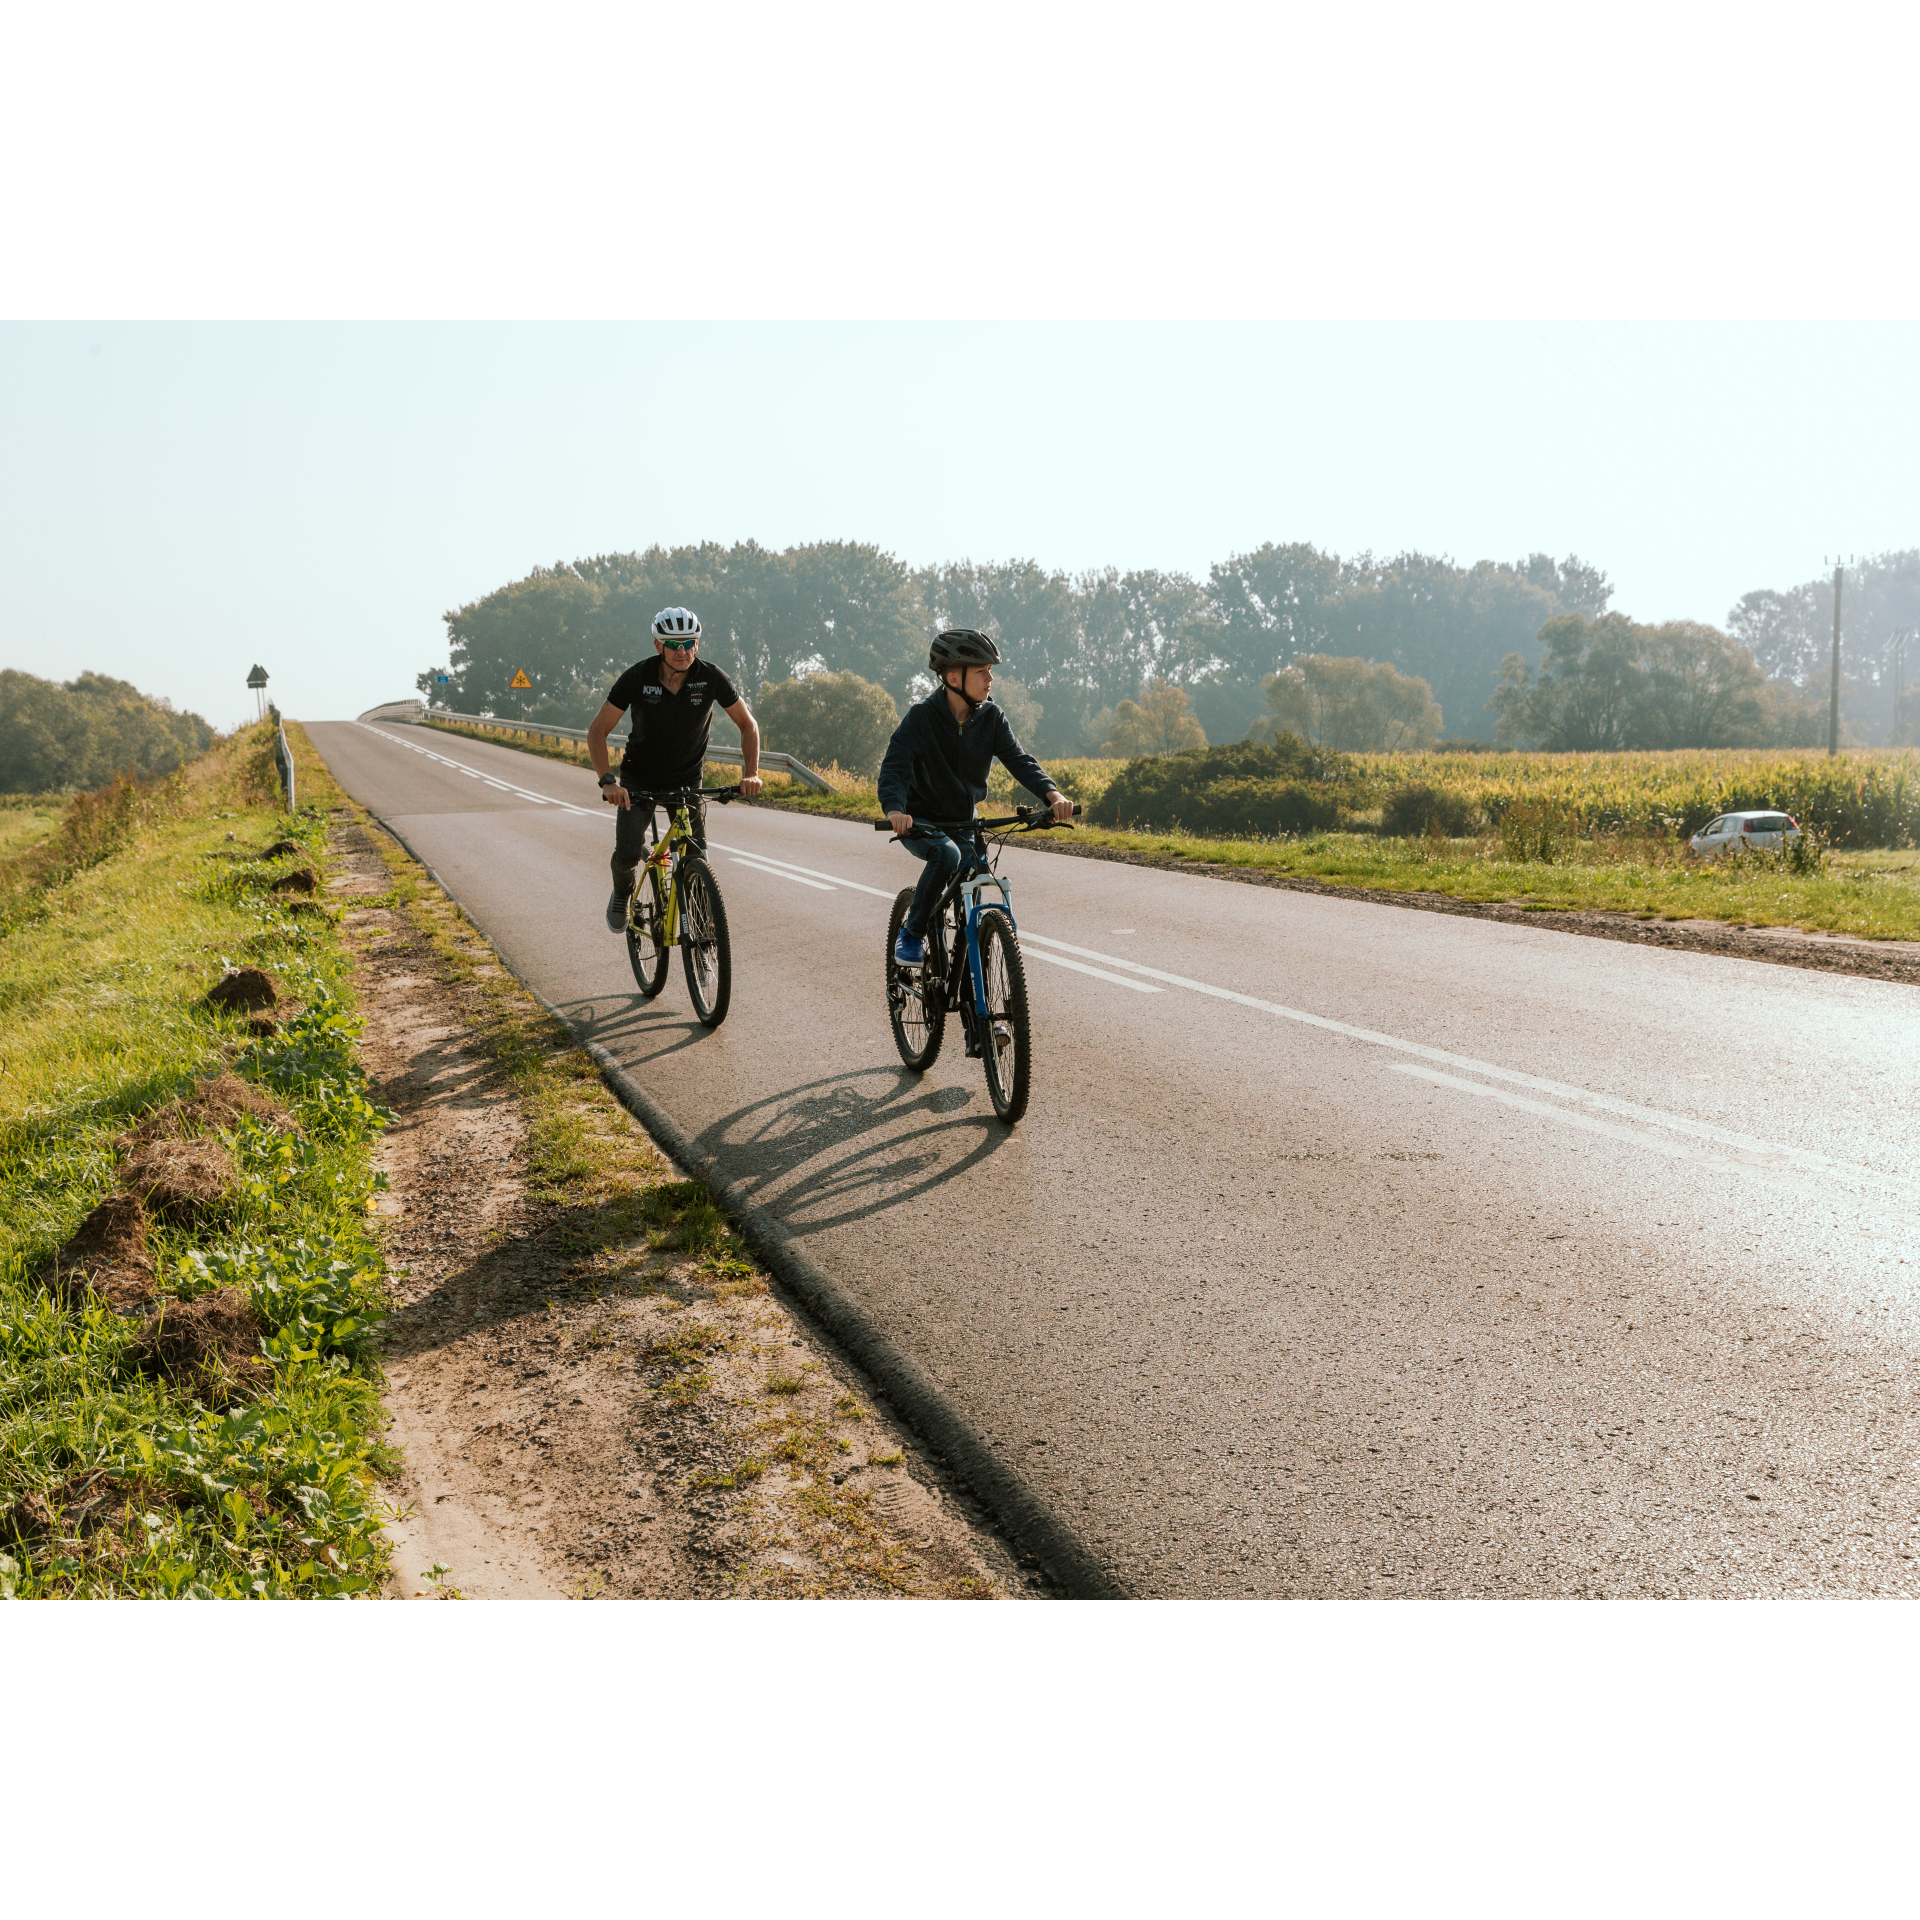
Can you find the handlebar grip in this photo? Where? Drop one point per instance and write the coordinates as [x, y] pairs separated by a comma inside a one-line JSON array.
[[882, 826]]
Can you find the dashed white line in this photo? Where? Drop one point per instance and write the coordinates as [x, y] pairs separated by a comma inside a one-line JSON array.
[[776, 873], [1080, 966]]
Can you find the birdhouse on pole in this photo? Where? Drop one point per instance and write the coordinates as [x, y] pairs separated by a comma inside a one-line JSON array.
[[257, 680]]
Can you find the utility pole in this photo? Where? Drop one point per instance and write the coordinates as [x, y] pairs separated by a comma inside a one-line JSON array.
[[1833, 701]]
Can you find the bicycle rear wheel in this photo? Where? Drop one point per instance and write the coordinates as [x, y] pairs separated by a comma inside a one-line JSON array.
[[1008, 1040], [646, 925], [917, 996], [705, 950]]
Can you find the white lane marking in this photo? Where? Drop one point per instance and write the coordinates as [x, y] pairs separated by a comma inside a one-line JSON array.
[[472, 773], [1580, 1097], [774, 873], [767, 859], [1773, 1160], [1080, 966]]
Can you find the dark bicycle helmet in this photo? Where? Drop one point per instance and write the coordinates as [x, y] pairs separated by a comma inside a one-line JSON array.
[[962, 647]]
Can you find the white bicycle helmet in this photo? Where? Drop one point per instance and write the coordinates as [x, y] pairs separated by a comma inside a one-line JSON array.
[[676, 623]]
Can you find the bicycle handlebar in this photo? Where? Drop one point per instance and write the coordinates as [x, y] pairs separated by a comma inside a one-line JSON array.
[[1034, 819], [667, 796]]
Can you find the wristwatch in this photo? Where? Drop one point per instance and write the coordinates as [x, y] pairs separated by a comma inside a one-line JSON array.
[[609, 779]]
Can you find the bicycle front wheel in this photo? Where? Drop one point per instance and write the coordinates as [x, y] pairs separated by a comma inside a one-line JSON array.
[[705, 950], [646, 932], [916, 996], [1008, 1039]]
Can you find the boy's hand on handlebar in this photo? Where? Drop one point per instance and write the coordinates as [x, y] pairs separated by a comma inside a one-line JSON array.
[[615, 797], [749, 785], [1062, 806], [900, 822]]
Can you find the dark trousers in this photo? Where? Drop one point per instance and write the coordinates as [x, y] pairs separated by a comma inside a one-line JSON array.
[[630, 838], [944, 856]]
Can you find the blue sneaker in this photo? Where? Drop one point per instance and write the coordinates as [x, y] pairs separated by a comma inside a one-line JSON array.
[[909, 950]]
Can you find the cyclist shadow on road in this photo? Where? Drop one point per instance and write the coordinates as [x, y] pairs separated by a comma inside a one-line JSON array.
[[662, 1028], [846, 1131]]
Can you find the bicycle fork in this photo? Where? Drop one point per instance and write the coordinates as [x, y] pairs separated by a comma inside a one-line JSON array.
[[975, 1018]]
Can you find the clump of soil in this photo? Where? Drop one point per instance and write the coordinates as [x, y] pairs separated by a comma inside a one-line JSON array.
[[280, 847], [244, 990], [300, 880], [214, 1104], [179, 1180], [107, 1256], [210, 1345]]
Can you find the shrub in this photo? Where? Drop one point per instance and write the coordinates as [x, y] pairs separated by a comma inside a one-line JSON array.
[[1174, 791], [835, 717], [1411, 810]]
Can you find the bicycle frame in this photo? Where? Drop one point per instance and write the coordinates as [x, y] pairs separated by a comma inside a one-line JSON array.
[[973, 880], [665, 854], [667, 850]]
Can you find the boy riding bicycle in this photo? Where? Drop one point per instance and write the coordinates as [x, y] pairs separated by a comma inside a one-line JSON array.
[[936, 768], [673, 696]]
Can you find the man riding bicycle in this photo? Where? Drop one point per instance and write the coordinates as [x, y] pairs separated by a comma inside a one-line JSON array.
[[673, 696], [936, 768]]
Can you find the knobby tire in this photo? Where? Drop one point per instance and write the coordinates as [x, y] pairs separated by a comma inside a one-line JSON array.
[[1007, 1043], [646, 916], [916, 996], [705, 950]]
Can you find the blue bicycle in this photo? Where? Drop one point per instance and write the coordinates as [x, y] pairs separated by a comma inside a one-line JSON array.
[[973, 968]]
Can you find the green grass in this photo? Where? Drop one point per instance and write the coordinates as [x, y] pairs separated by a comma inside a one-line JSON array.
[[26, 819], [103, 987]]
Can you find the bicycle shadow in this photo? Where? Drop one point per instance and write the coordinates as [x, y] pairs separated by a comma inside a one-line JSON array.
[[609, 1019], [843, 1132]]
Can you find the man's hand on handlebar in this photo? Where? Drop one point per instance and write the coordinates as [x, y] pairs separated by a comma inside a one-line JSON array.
[[615, 796], [1062, 806], [900, 822], [749, 785]]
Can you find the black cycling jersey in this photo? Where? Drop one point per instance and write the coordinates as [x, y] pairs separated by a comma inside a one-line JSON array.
[[669, 737]]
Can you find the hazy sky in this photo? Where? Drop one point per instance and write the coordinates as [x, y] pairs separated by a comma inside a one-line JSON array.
[[179, 500], [314, 326]]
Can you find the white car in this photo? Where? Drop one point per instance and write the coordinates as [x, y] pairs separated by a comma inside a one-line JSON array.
[[1770, 829]]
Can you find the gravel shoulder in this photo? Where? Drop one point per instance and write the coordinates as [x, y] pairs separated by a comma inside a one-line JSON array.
[[596, 1394]]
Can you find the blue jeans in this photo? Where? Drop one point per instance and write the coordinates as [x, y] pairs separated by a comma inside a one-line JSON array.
[[944, 856]]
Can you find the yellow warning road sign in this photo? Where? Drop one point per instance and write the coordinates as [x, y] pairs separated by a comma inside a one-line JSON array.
[[520, 678]]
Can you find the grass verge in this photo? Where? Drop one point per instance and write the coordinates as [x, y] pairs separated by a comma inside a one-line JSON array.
[[220, 1436]]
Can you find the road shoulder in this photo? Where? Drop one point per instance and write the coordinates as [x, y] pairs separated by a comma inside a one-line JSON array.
[[596, 1392]]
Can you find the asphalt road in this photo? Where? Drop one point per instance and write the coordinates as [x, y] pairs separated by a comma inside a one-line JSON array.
[[1345, 1250]]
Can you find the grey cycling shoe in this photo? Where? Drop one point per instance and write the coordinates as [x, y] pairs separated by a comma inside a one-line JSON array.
[[617, 911]]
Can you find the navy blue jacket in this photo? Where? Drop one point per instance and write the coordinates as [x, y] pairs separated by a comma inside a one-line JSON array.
[[936, 769]]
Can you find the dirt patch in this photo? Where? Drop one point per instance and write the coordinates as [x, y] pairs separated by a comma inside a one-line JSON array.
[[244, 990], [281, 847], [107, 1256], [600, 1399], [300, 880], [212, 1106], [1784, 946], [179, 1180], [209, 1345]]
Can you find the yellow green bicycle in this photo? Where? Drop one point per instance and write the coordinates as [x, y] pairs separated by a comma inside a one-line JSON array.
[[676, 901]]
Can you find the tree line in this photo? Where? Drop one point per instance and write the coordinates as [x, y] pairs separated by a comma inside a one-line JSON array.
[[83, 732], [1356, 653], [1078, 646]]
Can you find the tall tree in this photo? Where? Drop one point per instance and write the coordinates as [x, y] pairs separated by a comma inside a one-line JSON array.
[[1791, 634]]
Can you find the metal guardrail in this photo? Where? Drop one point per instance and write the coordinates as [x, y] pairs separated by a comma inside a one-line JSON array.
[[417, 712], [282, 754]]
